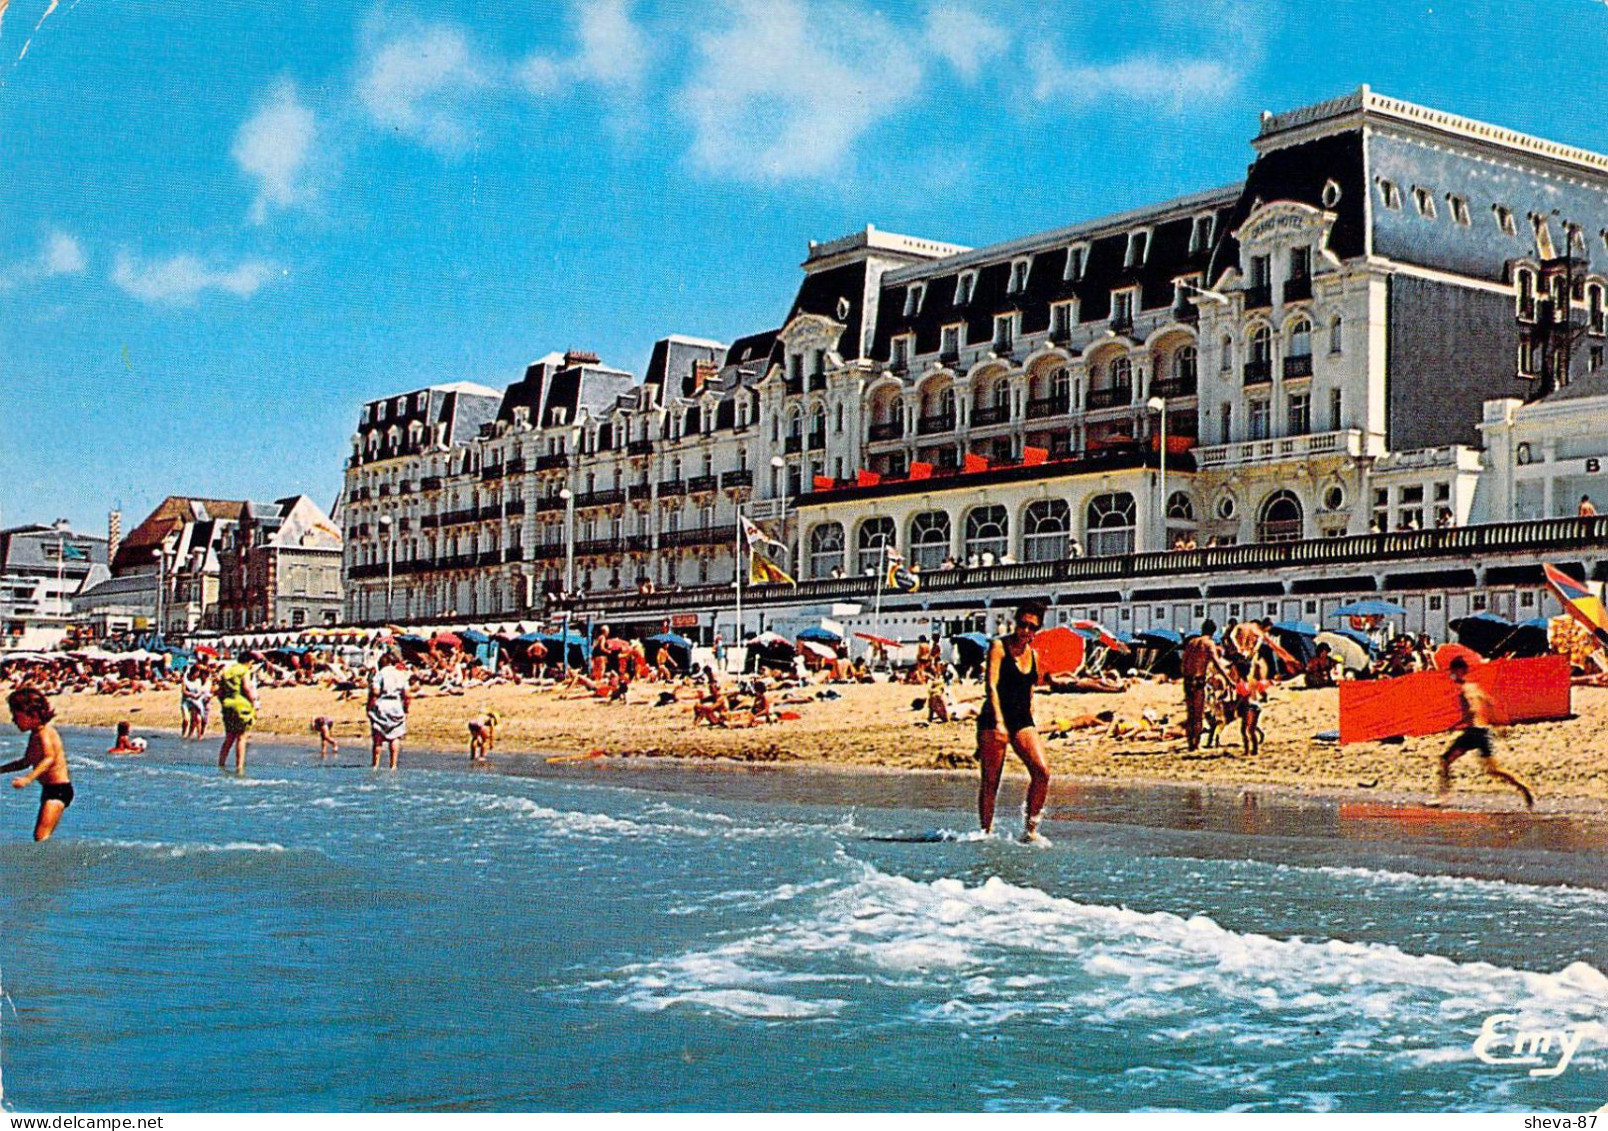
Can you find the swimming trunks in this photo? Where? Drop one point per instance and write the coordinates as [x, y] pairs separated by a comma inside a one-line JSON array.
[[1476, 740], [56, 791], [1015, 697]]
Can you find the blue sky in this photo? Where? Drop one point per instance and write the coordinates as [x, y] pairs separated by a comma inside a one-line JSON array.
[[225, 226]]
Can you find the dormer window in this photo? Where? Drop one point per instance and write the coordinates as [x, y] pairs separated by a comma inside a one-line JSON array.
[[1062, 317], [1138, 248], [1389, 194], [915, 295], [1504, 219], [1004, 332], [1183, 287], [795, 367], [1577, 238], [950, 342], [418, 401], [1200, 233], [1458, 206], [1077, 262], [1524, 294], [1122, 308], [964, 286], [899, 352], [368, 413], [401, 405], [558, 416], [1425, 200], [1018, 280]]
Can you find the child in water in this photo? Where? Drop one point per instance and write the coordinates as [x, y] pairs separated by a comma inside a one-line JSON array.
[[126, 743], [32, 713], [324, 727], [482, 735]]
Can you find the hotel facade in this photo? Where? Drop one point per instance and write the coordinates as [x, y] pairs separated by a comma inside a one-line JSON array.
[[1323, 378]]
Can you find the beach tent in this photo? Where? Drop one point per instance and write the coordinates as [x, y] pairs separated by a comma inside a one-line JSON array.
[[680, 649], [971, 650], [770, 649], [577, 649], [1296, 637]]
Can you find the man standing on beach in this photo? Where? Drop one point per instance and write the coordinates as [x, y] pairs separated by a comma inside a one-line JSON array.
[[1476, 737], [1201, 655]]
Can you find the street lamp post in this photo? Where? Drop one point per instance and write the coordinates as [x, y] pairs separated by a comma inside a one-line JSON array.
[[390, 562], [1159, 405], [569, 539], [778, 464]]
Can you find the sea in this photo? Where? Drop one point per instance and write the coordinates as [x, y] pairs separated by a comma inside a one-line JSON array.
[[644, 936]]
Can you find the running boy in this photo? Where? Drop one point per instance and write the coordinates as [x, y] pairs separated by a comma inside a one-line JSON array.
[[1476, 736], [32, 713]]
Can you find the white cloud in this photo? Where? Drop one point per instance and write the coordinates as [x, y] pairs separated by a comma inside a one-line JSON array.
[[612, 51], [275, 146], [422, 82], [180, 279], [1176, 85], [59, 254], [964, 39], [786, 90]]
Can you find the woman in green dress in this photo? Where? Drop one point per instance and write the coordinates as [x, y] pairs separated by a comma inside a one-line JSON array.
[[237, 703]]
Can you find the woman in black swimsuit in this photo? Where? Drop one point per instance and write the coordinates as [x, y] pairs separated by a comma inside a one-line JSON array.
[[1006, 720]]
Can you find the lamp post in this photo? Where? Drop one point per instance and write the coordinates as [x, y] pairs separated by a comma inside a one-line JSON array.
[[390, 562], [569, 539], [778, 464], [1159, 405]]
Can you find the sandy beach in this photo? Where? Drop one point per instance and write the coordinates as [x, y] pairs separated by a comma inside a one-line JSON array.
[[874, 726]]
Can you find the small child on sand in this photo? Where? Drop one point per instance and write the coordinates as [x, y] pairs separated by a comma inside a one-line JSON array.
[[324, 727], [126, 743], [482, 735], [32, 713]]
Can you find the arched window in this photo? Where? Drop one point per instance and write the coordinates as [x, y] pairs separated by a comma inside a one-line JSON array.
[[930, 537], [817, 427], [1109, 524], [826, 549], [1301, 338], [1046, 525], [1524, 291], [795, 424], [1180, 507], [875, 533], [988, 531], [1122, 373], [1280, 519], [1061, 384], [1184, 373], [1261, 345]]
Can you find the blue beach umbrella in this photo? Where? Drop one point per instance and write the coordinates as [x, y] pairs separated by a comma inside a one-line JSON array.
[[1160, 636], [1296, 627], [821, 635], [1371, 607]]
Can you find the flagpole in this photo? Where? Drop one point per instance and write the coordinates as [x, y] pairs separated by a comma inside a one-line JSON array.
[[882, 573], [738, 568]]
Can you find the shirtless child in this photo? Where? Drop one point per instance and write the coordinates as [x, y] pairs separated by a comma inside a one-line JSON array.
[[1476, 737], [482, 735], [32, 713]]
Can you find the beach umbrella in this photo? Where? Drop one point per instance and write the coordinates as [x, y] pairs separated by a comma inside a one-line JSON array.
[[971, 649], [474, 637], [680, 648], [446, 640], [1346, 648], [769, 640], [1160, 637], [1100, 634], [1060, 651], [873, 638], [821, 635], [1446, 653], [1484, 632], [1371, 607], [1579, 602], [817, 649]]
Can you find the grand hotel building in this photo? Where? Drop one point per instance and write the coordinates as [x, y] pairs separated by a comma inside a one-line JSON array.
[[1317, 344]]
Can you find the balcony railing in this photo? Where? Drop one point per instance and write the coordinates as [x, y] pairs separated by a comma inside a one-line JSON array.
[[639, 543], [794, 445], [1186, 312], [1298, 365], [730, 480], [1040, 407], [1118, 396], [459, 517], [487, 474], [669, 487], [430, 483], [698, 536], [1408, 547], [949, 357], [929, 425], [817, 382], [514, 467], [990, 414], [546, 551], [793, 386], [702, 483], [597, 547], [548, 503], [639, 448], [1174, 387], [1258, 297], [638, 492], [552, 461], [1350, 442], [1297, 288], [817, 441], [611, 498], [1121, 323], [887, 430], [515, 508], [1258, 372]]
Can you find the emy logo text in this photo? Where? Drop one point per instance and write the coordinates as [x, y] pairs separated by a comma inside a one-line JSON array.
[[1503, 1041]]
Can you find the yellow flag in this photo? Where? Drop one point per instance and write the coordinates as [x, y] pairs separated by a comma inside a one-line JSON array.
[[763, 571]]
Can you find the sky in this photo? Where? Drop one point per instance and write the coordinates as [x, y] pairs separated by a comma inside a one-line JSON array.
[[224, 227]]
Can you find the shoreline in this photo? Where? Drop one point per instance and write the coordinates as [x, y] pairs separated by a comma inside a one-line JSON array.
[[872, 731]]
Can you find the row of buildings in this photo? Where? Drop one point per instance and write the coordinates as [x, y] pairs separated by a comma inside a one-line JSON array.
[[1395, 322], [192, 566]]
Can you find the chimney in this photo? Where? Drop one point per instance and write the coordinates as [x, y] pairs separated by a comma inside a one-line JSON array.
[[579, 357], [114, 535]]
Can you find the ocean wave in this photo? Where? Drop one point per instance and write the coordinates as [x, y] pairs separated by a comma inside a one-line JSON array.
[[1551, 894], [172, 850], [988, 954]]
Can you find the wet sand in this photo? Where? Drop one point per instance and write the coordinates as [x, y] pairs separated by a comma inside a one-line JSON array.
[[874, 727]]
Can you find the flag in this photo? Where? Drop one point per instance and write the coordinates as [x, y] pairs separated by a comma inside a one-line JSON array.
[[1579, 602], [755, 537], [763, 571], [901, 576], [72, 553]]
